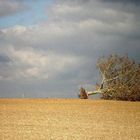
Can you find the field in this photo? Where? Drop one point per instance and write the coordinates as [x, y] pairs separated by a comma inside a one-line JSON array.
[[69, 119]]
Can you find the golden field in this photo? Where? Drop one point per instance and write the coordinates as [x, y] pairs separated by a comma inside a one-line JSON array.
[[69, 119]]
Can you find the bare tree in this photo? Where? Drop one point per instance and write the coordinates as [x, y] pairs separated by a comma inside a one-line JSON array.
[[120, 78]]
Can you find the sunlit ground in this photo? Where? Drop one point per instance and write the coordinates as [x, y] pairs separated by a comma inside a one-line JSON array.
[[69, 119]]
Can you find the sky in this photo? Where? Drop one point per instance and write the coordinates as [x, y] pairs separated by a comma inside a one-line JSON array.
[[49, 48]]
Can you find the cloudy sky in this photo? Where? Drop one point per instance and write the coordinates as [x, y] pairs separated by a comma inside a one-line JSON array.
[[49, 48]]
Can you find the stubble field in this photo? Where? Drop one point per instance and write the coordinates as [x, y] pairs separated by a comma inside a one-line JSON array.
[[69, 119]]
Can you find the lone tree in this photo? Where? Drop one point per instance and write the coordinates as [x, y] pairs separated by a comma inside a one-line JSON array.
[[120, 78]]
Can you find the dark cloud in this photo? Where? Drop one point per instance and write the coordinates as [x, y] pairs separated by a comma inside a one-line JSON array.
[[8, 7], [123, 1], [4, 59]]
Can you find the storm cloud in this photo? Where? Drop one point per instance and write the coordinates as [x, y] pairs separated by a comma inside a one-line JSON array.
[[54, 57]]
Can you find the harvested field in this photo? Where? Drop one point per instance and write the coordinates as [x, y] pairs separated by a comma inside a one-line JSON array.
[[69, 119]]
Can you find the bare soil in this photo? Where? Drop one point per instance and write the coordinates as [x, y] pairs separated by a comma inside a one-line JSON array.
[[69, 119]]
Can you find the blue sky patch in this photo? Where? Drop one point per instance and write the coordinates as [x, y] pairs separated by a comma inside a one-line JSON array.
[[33, 14]]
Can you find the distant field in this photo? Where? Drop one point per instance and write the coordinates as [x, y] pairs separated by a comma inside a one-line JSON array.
[[69, 119]]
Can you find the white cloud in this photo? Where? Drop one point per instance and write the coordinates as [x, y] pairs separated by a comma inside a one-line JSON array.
[[64, 9], [30, 63]]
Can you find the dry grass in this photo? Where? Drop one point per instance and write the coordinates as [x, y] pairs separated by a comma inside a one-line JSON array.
[[69, 119]]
